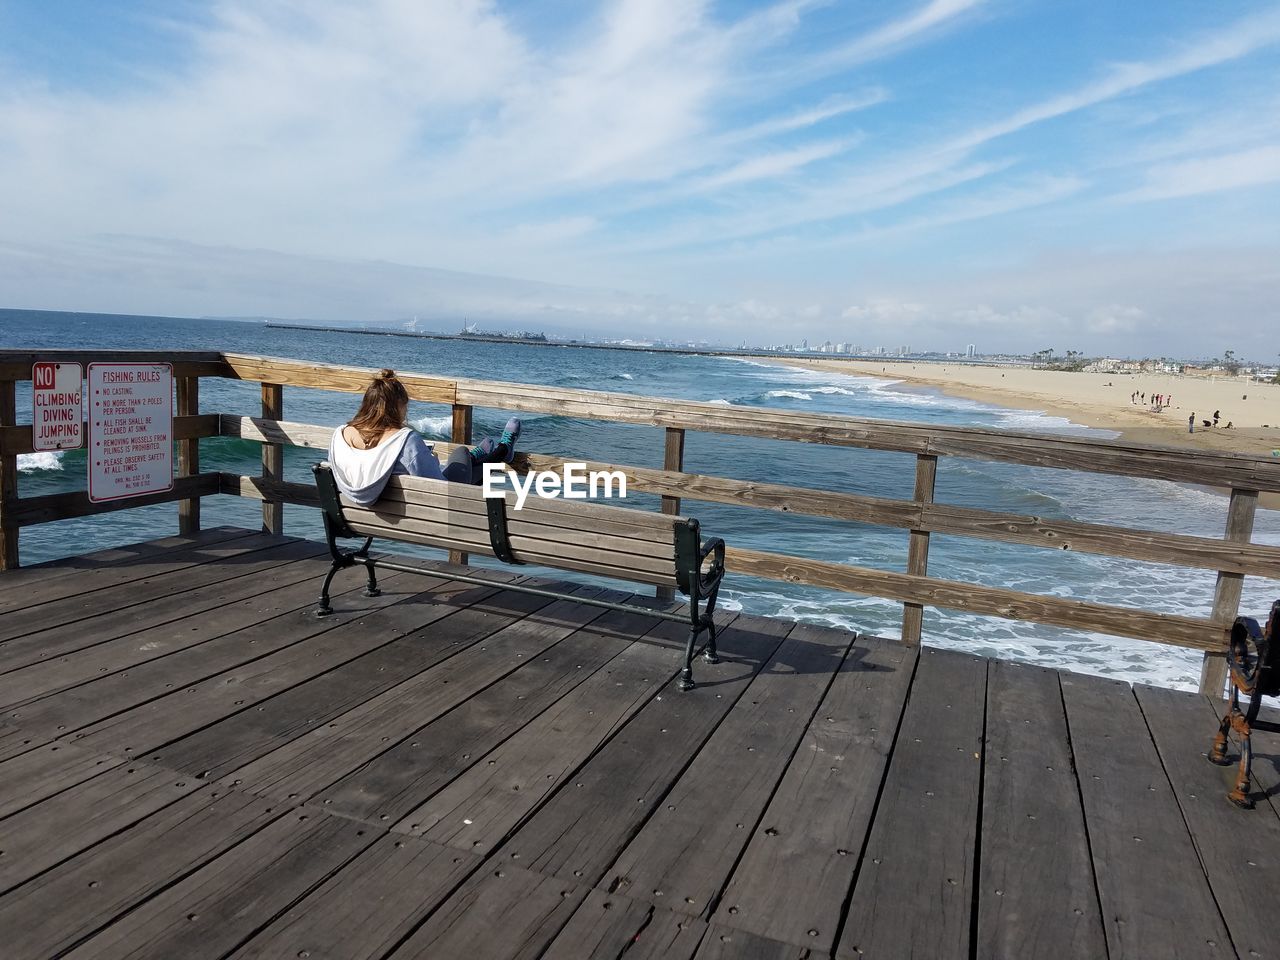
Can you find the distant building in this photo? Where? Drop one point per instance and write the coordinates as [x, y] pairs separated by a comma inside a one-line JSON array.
[[971, 350]]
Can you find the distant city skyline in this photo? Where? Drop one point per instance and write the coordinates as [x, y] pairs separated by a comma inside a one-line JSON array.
[[941, 171]]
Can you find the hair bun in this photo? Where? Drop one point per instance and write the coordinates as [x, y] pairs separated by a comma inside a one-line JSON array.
[[386, 374]]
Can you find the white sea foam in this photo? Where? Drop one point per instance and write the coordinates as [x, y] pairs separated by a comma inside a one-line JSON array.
[[624, 376], [433, 426], [793, 394], [41, 460], [722, 401]]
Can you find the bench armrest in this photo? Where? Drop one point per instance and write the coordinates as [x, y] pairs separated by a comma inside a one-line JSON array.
[[713, 548]]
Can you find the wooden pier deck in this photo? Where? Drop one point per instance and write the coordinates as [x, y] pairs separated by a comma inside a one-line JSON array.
[[191, 766]]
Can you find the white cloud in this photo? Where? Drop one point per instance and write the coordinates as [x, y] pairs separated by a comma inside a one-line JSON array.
[[893, 35], [770, 165], [1245, 168], [1235, 41]]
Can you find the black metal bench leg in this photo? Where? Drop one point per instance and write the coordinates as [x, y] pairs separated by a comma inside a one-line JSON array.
[[710, 655], [686, 674], [371, 589], [1240, 794], [324, 609], [1218, 753]]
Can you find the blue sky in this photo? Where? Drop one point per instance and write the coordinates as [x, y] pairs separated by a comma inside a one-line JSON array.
[[1015, 173]]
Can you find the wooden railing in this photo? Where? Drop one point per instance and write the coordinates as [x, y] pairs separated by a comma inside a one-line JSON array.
[[1232, 557]]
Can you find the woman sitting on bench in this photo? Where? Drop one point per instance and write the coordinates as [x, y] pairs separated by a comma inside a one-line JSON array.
[[376, 445]]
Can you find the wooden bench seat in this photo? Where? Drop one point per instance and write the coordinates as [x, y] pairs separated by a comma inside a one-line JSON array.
[[585, 537]]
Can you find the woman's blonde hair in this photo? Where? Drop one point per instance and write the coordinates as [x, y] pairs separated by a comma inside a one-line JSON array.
[[382, 408]]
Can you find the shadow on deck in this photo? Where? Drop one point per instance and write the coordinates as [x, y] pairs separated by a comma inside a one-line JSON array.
[[191, 766]]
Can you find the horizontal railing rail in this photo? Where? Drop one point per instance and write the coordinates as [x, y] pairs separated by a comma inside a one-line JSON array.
[[1232, 556]]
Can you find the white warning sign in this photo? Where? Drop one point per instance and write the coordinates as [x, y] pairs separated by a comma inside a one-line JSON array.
[[56, 405], [130, 429]]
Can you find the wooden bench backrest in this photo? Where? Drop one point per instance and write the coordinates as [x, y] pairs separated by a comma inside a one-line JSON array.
[[618, 542]]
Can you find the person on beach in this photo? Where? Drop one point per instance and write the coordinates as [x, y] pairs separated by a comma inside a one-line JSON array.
[[1191, 423], [376, 445], [1215, 418]]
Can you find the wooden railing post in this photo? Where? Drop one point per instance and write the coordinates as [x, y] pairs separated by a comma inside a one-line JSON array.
[[918, 546], [460, 433], [672, 459], [273, 458], [8, 479], [1226, 593], [188, 454]]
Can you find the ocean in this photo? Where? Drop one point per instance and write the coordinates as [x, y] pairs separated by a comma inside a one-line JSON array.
[[1128, 502]]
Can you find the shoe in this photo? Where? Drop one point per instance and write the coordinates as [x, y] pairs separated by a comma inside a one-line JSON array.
[[510, 434]]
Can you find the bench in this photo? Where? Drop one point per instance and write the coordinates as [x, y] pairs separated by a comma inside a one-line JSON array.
[[606, 541]]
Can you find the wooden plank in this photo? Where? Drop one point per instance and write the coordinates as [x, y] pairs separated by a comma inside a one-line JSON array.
[[27, 779], [38, 837], [503, 913], [303, 494], [75, 899], [74, 576], [1227, 591], [327, 376], [581, 830], [292, 433], [992, 601], [913, 895], [156, 723], [1036, 892], [1158, 547], [411, 771], [728, 943], [246, 736], [1241, 859], [792, 881], [216, 908], [368, 907], [290, 586], [17, 439], [686, 850], [918, 546], [16, 364], [272, 459], [115, 569], [14, 582], [9, 527], [602, 928], [194, 591], [63, 506], [158, 599], [672, 462], [460, 433], [233, 657], [638, 570], [479, 809], [668, 936], [188, 403], [1154, 897], [369, 523]]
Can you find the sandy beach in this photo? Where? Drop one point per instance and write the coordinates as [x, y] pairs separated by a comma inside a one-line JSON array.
[[1103, 400]]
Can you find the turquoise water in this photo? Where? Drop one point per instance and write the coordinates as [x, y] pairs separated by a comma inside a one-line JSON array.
[[1049, 493]]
